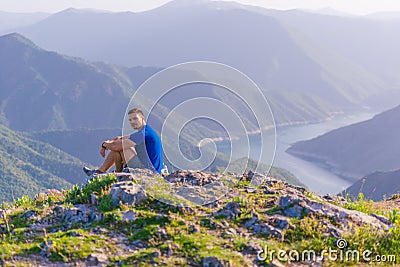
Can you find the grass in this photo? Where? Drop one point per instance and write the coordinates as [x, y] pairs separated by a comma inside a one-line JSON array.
[[180, 236]]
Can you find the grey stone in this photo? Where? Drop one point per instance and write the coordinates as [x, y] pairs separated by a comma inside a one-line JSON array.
[[264, 228], [80, 213], [299, 205], [127, 193], [287, 200], [128, 216], [295, 211], [30, 215], [281, 222], [253, 220], [381, 218], [93, 199], [193, 228], [230, 211], [212, 262], [96, 260], [161, 233]]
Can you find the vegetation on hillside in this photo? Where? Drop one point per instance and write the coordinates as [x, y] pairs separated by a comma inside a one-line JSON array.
[[166, 235], [29, 166]]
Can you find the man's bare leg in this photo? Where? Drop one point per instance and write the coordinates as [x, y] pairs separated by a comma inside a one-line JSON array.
[[129, 154], [119, 161], [108, 162]]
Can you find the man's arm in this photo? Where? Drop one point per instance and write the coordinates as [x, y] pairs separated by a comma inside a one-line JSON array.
[[118, 143], [126, 142]]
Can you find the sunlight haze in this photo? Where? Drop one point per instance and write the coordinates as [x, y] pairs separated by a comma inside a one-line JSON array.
[[359, 7]]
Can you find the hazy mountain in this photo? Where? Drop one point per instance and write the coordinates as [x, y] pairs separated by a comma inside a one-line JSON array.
[[61, 92], [11, 20], [45, 90], [29, 166], [359, 149], [385, 15], [367, 42], [262, 46], [81, 143], [329, 11], [376, 186]]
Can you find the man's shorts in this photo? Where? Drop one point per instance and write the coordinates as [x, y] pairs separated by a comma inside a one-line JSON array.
[[134, 162]]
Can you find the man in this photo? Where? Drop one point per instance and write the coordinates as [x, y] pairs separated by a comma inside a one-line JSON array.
[[145, 143]]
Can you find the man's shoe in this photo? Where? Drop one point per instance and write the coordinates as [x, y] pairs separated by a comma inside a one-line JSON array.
[[88, 171]]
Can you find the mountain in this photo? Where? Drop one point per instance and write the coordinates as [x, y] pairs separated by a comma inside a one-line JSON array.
[[358, 149], [81, 143], [45, 90], [376, 186], [362, 40], [62, 92], [28, 166], [260, 45], [11, 20], [385, 15]]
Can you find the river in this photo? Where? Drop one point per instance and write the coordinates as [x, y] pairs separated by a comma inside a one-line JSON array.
[[316, 178]]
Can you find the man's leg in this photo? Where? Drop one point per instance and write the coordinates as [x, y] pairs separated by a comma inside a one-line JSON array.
[[119, 161], [129, 154], [108, 162]]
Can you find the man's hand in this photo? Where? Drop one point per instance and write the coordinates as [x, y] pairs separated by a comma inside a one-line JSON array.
[[103, 152], [114, 144]]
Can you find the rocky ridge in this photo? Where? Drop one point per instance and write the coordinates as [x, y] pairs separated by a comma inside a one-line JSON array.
[[114, 221]]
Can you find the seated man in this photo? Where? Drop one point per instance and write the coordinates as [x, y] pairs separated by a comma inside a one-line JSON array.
[[145, 143]]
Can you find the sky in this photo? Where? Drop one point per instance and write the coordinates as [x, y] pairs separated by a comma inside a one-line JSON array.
[[359, 7]]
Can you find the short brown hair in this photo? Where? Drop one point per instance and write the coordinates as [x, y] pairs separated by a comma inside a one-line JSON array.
[[136, 110]]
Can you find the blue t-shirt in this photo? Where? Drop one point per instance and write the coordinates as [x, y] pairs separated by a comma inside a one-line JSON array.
[[148, 148]]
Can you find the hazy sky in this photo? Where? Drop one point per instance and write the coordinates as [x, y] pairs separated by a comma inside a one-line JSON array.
[[52, 6]]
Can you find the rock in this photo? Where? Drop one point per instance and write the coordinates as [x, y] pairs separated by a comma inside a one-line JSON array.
[[193, 228], [30, 215], [93, 199], [252, 248], [137, 243], [96, 216], [296, 211], [382, 219], [128, 216], [296, 206], [58, 210], [280, 222], [96, 260], [212, 262], [264, 228], [193, 178], [80, 213], [127, 192], [230, 211], [161, 233], [285, 201], [231, 232], [253, 220], [255, 178]]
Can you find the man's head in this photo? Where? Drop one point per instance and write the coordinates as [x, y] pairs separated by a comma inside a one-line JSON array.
[[136, 118]]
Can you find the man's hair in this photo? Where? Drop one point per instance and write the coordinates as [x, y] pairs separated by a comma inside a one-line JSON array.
[[136, 110]]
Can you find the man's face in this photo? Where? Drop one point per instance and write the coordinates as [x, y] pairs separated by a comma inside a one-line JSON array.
[[136, 120]]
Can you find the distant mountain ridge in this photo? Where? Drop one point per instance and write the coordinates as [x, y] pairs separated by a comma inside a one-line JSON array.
[[376, 186], [9, 21], [28, 166], [55, 89], [262, 46]]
